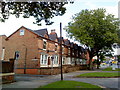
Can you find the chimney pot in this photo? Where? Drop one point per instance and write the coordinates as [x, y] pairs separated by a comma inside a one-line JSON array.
[[53, 30]]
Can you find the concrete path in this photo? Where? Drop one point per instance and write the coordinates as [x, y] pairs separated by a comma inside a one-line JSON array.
[[32, 81]]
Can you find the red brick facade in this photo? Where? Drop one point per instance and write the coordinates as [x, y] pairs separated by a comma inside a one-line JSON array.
[[34, 50]]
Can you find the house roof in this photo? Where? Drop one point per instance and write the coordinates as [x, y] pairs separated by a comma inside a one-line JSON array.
[[66, 42], [53, 36], [71, 44], [75, 46], [3, 35], [59, 39], [41, 32]]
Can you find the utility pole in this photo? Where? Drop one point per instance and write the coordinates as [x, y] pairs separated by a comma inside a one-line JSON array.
[[61, 49], [25, 61]]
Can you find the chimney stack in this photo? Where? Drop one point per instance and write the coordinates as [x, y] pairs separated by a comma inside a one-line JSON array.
[[53, 30]]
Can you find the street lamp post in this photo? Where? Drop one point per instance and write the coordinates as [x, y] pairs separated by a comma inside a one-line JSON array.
[[61, 49]]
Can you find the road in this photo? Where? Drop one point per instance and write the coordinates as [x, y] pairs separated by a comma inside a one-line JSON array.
[[32, 81]]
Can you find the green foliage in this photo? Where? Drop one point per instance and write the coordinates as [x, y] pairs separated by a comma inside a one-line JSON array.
[[69, 84], [39, 10], [119, 57], [110, 69], [95, 29], [99, 74]]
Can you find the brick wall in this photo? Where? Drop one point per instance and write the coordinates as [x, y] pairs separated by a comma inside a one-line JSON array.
[[52, 71], [26, 45], [30, 48], [7, 79], [7, 72]]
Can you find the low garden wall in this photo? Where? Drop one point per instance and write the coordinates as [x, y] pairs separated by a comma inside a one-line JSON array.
[[7, 71], [51, 71]]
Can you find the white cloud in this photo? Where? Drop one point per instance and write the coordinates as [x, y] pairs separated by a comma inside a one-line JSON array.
[[112, 10], [91, 5], [13, 24], [97, 0]]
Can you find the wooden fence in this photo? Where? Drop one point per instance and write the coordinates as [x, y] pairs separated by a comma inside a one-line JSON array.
[[8, 66], [7, 71]]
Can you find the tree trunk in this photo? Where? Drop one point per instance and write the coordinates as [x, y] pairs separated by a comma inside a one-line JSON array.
[[98, 63], [90, 65]]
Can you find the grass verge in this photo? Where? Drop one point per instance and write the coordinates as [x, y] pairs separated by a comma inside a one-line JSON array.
[[110, 69], [99, 74], [69, 84]]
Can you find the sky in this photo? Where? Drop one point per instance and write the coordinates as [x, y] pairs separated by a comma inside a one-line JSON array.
[[12, 24]]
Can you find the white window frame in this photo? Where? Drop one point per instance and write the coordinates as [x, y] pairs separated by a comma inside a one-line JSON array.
[[73, 52], [22, 32], [69, 60], [43, 59], [63, 60], [69, 51], [73, 61], [56, 47], [55, 59], [43, 44], [78, 62], [63, 48]]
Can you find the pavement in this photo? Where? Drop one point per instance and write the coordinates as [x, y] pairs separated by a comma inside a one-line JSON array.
[[35, 81]]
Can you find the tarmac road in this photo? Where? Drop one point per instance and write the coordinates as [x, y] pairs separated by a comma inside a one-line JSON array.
[[32, 81]]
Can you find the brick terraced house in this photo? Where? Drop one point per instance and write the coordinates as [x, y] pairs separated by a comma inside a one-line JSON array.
[[2, 46], [37, 52]]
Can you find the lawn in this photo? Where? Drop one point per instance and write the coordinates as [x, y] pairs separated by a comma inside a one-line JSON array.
[[99, 74], [69, 84], [110, 69]]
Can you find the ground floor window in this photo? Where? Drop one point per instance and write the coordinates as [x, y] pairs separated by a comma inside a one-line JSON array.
[[63, 60], [73, 61], [69, 61], [43, 59], [83, 61], [55, 59], [78, 61]]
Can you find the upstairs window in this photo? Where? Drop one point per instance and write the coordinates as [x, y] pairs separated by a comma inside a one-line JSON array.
[[22, 32], [55, 47], [68, 50], [62, 49], [80, 53], [73, 52], [44, 44], [77, 52]]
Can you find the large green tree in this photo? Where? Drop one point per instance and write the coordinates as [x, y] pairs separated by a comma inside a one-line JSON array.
[[95, 29], [39, 10]]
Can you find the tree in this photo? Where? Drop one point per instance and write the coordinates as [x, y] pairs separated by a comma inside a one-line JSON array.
[[39, 10], [94, 29]]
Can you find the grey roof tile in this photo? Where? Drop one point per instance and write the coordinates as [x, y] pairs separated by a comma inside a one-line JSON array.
[[41, 32], [53, 36]]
